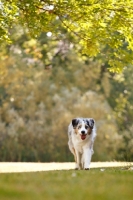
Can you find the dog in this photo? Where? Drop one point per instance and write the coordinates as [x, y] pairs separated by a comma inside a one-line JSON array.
[[81, 136]]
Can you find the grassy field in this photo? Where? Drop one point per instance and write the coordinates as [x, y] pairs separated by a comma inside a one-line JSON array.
[[106, 184]]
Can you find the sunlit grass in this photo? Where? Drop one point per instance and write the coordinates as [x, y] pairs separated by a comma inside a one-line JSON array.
[[109, 184]]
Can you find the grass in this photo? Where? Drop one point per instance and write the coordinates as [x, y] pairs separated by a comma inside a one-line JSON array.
[[110, 184]]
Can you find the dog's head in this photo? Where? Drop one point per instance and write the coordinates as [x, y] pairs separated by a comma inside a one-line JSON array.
[[83, 127]]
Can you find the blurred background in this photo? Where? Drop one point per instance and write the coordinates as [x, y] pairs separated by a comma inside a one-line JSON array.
[[44, 84]]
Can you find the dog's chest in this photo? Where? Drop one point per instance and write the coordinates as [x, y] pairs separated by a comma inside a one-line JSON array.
[[79, 144], [79, 148]]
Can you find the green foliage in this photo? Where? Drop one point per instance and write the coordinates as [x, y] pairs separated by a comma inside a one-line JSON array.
[[44, 85], [92, 24], [69, 184], [8, 13], [121, 98]]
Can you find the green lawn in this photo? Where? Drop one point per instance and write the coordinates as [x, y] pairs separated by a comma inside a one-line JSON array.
[[110, 184]]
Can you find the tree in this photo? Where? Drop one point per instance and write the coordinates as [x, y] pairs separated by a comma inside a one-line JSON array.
[[38, 103], [92, 24], [120, 99]]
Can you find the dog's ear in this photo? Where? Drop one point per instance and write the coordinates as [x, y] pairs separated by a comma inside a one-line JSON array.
[[90, 123], [75, 122]]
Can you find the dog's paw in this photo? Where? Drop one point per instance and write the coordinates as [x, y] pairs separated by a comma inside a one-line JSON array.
[[87, 168]]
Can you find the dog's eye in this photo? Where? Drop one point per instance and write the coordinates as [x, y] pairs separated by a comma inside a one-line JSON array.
[[79, 127], [86, 127]]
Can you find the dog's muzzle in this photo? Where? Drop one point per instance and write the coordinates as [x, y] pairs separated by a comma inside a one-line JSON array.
[[83, 135]]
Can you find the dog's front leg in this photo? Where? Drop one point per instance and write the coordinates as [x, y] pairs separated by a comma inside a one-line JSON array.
[[78, 163], [87, 158]]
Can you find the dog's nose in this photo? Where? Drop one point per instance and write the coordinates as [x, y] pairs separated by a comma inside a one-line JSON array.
[[83, 132]]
